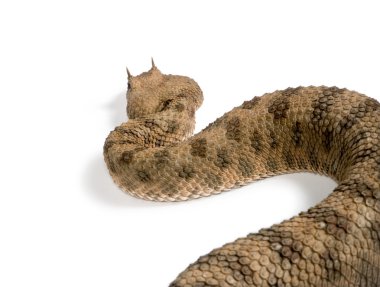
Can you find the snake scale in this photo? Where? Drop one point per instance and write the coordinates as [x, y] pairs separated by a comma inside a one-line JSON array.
[[325, 130]]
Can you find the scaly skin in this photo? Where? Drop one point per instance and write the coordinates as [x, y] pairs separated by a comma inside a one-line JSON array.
[[325, 130]]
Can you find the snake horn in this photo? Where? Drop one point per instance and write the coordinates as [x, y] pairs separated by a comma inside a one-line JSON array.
[[129, 74], [153, 64]]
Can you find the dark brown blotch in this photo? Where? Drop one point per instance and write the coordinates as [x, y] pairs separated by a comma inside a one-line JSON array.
[[143, 176], [356, 113], [233, 129], [256, 141], [290, 91], [322, 106], [214, 181], [170, 189], [297, 134], [371, 105], [245, 166], [273, 139], [272, 165], [173, 126], [159, 142], [347, 122], [199, 147], [179, 107], [312, 155], [127, 156], [162, 157], [250, 104], [289, 159], [223, 158], [163, 153], [149, 123], [186, 172], [279, 108], [327, 139], [334, 91], [281, 104]]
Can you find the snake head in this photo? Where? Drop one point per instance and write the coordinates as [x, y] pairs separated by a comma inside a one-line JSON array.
[[152, 92]]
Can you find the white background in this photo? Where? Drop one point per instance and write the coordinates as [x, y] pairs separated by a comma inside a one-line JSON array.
[[62, 89]]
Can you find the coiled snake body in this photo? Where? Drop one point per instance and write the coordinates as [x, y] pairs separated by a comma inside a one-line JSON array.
[[325, 130]]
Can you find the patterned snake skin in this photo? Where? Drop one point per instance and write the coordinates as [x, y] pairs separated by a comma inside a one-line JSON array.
[[326, 130]]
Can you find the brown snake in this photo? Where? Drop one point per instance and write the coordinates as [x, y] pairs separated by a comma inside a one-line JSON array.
[[326, 130]]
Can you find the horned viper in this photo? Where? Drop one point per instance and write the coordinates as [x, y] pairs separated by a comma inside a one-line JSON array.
[[326, 130]]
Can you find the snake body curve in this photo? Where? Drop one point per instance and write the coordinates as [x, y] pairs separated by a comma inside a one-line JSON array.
[[326, 130]]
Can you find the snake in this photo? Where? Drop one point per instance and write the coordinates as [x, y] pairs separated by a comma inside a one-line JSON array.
[[325, 130]]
